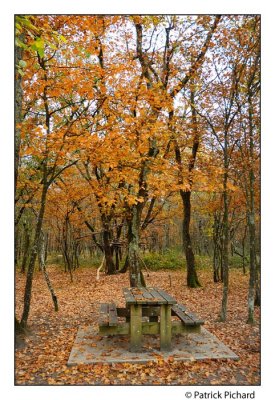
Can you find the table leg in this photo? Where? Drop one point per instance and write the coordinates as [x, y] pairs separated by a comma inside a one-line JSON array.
[[165, 327], [135, 327]]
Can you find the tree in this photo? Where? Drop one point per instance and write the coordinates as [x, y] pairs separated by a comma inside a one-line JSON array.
[[229, 68], [46, 143], [248, 100], [119, 115], [168, 88]]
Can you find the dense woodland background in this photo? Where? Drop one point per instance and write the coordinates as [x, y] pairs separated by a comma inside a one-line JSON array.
[[137, 150]]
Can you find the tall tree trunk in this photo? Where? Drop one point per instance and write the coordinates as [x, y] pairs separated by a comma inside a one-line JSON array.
[[136, 276], [66, 247], [192, 278], [257, 301], [18, 120], [33, 255], [243, 250], [252, 265], [217, 257], [225, 242], [42, 262], [251, 220], [18, 108], [27, 241]]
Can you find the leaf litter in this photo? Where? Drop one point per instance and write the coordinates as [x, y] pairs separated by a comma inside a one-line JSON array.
[[43, 358]]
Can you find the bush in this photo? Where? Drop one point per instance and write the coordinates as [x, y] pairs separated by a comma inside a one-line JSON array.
[[237, 261], [203, 262], [170, 259], [84, 261]]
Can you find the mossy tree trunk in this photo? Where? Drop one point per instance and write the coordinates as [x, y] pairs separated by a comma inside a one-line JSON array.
[[108, 251], [134, 265]]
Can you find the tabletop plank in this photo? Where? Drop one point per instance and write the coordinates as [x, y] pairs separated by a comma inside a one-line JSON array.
[[166, 296], [137, 293], [156, 296], [128, 296], [147, 296]]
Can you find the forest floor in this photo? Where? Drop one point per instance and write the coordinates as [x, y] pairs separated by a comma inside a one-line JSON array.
[[41, 358]]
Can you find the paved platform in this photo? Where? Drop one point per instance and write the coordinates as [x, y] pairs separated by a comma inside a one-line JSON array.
[[90, 348]]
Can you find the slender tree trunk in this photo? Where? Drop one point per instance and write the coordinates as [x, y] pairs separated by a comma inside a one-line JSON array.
[[33, 255], [26, 247], [117, 258], [125, 266], [243, 250], [18, 120], [252, 272], [217, 250], [18, 109], [41, 254], [167, 237], [192, 278], [251, 221], [66, 247], [257, 301], [225, 247]]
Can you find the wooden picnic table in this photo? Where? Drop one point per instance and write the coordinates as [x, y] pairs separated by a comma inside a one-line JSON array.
[[148, 312], [139, 298]]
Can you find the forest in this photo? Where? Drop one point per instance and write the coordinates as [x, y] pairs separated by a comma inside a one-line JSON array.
[[137, 163]]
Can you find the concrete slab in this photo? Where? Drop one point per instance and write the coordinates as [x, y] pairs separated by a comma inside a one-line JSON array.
[[90, 348]]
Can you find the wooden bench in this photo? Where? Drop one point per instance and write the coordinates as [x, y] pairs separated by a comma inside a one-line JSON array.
[[185, 316], [108, 315], [110, 324]]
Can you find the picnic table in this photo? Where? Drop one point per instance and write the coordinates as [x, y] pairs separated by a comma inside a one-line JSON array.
[[139, 298], [148, 311]]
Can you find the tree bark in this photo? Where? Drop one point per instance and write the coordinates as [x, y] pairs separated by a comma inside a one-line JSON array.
[[33, 255], [18, 108], [225, 243], [192, 278], [27, 240], [110, 265], [41, 253], [257, 300], [18, 120], [135, 273], [251, 220], [217, 254]]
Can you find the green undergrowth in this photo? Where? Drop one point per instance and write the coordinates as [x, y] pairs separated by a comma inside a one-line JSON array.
[[84, 261], [171, 259], [175, 260]]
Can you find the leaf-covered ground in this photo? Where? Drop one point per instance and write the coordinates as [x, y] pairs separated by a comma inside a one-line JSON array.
[[42, 358]]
